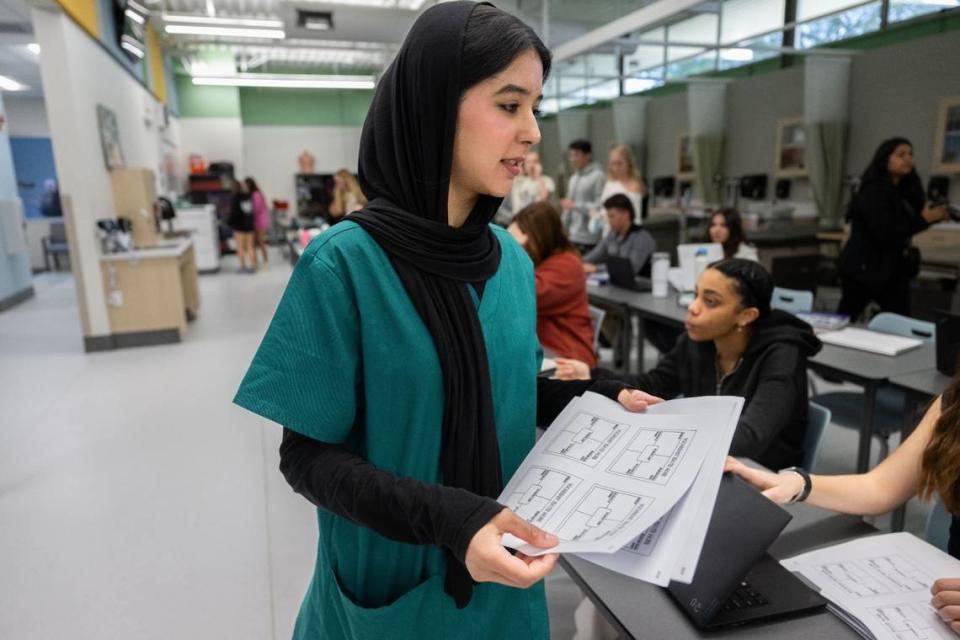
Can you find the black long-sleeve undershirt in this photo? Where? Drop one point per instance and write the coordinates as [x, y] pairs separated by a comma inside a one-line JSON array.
[[402, 508]]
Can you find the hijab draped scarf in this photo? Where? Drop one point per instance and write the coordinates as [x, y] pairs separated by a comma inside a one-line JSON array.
[[406, 154]]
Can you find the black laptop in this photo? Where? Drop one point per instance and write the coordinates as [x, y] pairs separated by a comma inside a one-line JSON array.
[[622, 275], [736, 581], [948, 342]]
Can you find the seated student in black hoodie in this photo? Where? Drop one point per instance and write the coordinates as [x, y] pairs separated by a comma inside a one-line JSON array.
[[736, 345]]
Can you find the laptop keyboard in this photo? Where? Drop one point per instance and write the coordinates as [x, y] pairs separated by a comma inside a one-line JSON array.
[[744, 598]]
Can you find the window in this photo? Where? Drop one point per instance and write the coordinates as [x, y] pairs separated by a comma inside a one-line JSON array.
[[693, 35], [607, 90], [744, 19], [906, 9], [839, 26], [807, 9], [750, 51]]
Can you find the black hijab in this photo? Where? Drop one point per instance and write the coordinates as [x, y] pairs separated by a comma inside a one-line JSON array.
[[406, 154]]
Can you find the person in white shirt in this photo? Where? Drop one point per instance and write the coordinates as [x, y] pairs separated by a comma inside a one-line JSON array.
[[580, 220], [623, 176], [529, 187], [726, 228]]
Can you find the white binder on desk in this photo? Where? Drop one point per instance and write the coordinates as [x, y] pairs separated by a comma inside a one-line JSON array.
[[885, 344]]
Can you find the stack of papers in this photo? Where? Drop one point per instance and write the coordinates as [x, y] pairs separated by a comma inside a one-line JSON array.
[[633, 492], [824, 321], [880, 585], [885, 344]]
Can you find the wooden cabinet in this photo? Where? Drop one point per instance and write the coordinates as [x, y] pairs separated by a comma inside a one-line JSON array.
[[134, 194]]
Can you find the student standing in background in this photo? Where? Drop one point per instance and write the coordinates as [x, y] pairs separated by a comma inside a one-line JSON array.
[[347, 196], [624, 177], [241, 221], [261, 217], [877, 263], [581, 207]]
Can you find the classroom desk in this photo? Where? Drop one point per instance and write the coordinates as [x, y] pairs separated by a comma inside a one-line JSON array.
[[627, 304], [640, 610], [870, 371]]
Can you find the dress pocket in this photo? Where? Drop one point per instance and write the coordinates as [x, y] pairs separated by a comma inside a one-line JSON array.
[[409, 616]]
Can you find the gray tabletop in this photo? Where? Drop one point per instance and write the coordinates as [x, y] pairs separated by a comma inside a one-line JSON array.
[[641, 610], [864, 367], [645, 305], [926, 382]]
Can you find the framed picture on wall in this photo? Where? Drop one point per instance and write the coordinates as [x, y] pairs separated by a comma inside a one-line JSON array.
[[791, 151], [110, 137], [946, 147], [684, 156]]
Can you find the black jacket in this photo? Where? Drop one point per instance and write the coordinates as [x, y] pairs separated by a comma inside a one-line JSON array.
[[772, 378], [883, 219]]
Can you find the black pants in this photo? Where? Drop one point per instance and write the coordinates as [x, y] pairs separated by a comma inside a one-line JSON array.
[[893, 296]]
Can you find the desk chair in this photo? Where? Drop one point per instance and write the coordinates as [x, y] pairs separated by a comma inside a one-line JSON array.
[[596, 317], [792, 300], [937, 530], [55, 245], [847, 406], [818, 418]]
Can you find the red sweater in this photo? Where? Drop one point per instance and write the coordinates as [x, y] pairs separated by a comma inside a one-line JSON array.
[[563, 318]]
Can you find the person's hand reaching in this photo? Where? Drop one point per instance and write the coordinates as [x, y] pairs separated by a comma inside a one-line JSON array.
[[946, 600], [571, 369], [488, 560]]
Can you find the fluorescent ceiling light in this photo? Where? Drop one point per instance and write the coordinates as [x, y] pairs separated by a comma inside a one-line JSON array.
[[226, 32], [127, 45], [9, 84], [133, 15], [263, 23], [286, 81], [34, 48], [737, 55]]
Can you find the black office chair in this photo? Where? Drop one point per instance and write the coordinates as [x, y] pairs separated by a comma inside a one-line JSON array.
[[55, 245]]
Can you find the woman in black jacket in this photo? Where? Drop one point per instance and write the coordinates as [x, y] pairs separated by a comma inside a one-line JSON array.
[[735, 345], [876, 264]]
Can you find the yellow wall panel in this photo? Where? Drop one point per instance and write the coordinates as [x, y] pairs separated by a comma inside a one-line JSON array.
[[84, 13], [158, 79]]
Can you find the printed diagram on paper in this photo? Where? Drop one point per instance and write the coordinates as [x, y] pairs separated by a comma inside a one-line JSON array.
[[652, 455], [882, 583], [600, 513], [600, 476], [539, 492], [884, 575], [585, 438], [646, 542], [908, 622]]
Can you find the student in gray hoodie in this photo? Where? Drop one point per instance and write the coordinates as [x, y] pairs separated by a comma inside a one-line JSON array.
[[736, 345]]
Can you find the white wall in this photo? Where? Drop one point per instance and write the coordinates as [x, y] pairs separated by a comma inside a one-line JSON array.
[[15, 275], [270, 154], [217, 139], [27, 116], [78, 74]]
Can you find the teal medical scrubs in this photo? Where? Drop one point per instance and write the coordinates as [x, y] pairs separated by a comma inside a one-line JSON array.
[[347, 360]]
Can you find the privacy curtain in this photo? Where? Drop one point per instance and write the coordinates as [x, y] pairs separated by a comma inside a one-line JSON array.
[[826, 89]]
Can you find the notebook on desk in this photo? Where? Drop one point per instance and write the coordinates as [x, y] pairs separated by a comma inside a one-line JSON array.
[[885, 344]]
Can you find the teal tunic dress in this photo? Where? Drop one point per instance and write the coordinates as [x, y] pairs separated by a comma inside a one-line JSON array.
[[347, 360]]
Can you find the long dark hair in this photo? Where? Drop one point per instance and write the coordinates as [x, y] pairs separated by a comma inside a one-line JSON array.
[[731, 218], [492, 40], [541, 223], [751, 282], [910, 186], [251, 185]]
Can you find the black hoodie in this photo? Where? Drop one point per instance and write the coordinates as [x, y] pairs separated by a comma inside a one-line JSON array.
[[772, 377]]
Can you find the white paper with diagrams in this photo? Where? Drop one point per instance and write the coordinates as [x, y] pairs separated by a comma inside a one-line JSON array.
[[880, 585], [670, 549], [601, 475]]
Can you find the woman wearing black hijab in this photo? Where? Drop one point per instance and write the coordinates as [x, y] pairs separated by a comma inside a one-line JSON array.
[[403, 359]]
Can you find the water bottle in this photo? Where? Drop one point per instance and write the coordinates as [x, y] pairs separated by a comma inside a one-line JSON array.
[[658, 273], [700, 262]]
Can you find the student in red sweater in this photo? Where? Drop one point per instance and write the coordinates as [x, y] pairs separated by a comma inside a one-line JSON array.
[[563, 318]]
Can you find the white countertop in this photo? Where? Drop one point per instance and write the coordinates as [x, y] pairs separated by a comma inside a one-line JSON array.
[[172, 248]]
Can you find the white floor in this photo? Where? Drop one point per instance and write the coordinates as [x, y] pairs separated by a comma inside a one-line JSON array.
[[137, 502]]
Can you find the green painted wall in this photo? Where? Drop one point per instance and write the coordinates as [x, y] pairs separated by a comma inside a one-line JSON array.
[[206, 102], [304, 107]]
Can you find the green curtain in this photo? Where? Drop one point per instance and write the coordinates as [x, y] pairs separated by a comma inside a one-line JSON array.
[[825, 155], [707, 163]]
